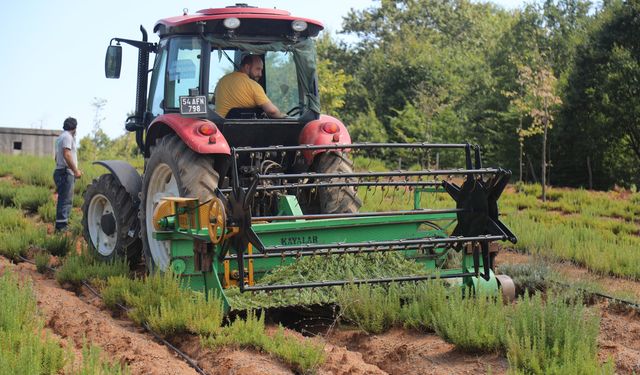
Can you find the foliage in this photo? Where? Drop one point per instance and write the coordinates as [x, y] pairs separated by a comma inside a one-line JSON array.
[[25, 347], [42, 261], [47, 211], [547, 338], [319, 268], [94, 364], [332, 81], [159, 301], [531, 277], [303, 354], [57, 244], [82, 267], [554, 336]]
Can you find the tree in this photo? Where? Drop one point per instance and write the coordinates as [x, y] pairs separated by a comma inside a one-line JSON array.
[[601, 118], [537, 99]]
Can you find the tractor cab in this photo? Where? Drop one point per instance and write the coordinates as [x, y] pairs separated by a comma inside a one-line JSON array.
[[196, 50]]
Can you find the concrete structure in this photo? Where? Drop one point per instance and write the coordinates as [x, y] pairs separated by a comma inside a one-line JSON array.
[[39, 142]]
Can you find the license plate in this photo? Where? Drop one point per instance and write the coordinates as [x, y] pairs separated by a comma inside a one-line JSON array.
[[193, 105]]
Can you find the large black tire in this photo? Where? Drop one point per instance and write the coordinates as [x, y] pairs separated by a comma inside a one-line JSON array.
[[173, 169], [109, 221], [332, 200]]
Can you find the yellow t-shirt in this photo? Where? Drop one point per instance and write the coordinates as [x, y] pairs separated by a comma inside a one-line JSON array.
[[237, 90]]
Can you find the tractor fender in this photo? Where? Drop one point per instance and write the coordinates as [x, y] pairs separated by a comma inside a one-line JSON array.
[[187, 129], [314, 133], [126, 175]]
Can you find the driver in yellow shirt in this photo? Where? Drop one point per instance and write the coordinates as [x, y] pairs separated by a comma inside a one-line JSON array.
[[241, 89]]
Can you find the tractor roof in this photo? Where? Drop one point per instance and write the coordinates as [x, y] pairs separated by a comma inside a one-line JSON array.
[[253, 22]]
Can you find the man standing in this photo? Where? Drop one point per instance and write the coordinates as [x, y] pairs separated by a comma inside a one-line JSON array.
[[66, 172], [241, 89]]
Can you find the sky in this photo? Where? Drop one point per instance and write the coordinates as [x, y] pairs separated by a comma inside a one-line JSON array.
[[52, 61]]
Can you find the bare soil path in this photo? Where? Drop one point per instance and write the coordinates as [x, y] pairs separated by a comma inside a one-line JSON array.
[[400, 351]]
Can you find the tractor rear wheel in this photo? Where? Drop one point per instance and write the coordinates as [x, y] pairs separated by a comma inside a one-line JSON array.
[[109, 221], [173, 170], [339, 199]]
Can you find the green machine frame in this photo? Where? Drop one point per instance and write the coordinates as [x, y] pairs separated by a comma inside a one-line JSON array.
[[244, 248]]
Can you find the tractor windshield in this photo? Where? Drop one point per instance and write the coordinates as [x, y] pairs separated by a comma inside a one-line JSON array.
[[280, 79], [289, 73]]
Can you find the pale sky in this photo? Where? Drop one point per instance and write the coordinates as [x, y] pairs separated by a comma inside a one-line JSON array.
[[52, 61]]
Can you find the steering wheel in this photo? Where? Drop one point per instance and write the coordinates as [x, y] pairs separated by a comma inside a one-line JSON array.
[[295, 111]]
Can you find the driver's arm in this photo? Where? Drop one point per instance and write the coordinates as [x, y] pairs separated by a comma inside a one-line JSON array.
[[272, 111]]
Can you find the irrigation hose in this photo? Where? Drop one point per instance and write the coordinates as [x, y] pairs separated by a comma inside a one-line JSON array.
[[166, 343]]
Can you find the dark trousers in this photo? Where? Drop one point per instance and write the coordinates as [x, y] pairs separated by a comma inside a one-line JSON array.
[[64, 185]]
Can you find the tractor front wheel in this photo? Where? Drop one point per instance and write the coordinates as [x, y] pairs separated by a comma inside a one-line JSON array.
[[173, 170], [333, 200], [109, 221]]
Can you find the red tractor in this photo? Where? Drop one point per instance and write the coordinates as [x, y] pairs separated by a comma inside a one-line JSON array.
[[264, 192], [187, 145]]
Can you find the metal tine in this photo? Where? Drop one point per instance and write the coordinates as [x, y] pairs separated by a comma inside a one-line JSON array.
[[283, 154]]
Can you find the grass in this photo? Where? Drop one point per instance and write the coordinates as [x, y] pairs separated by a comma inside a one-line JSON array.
[[25, 347], [304, 355]]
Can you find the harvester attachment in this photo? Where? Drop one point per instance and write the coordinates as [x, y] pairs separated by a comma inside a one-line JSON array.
[[278, 210]]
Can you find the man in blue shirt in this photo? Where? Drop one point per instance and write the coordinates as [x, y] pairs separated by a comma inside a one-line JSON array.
[[66, 172]]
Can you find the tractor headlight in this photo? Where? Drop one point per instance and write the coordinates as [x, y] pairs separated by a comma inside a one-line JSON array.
[[299, 25], [231, 23]]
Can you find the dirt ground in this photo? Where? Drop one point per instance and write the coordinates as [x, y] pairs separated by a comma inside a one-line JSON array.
[[70, 317]]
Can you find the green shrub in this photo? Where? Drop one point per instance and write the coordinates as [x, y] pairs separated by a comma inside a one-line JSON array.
[[7, 192], [168, 308], [303, 354], [472, 323], [374, 308], [80, 267], [47, 212], [57, 244], [42, 261], [30, 197], [12, 219], [94, 364], [558, 336], [428, 299], [529, 276], [15, 243], [25, 347]]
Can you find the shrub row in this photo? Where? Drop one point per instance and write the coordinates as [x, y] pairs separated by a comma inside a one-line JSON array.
[[556, 336], [27, 348]]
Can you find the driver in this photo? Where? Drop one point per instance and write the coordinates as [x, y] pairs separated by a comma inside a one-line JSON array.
[[241, 89]]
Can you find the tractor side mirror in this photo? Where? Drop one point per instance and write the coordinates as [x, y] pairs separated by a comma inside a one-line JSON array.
[[113, 62]]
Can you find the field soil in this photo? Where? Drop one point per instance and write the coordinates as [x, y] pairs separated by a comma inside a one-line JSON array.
[[70, 316]]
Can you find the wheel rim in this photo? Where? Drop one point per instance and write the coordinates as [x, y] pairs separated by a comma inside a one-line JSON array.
[[161, 184], [103, 243]]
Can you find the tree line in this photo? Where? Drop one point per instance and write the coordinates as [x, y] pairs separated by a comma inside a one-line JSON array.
[[550, 91]]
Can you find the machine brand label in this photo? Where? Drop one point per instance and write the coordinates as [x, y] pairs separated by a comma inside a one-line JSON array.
[[302, 240], [193, 105]]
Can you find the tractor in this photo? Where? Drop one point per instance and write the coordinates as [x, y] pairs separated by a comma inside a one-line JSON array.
[[224, 201]]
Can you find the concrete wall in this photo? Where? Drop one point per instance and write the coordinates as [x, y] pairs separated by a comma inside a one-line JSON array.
[[39, 142]]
